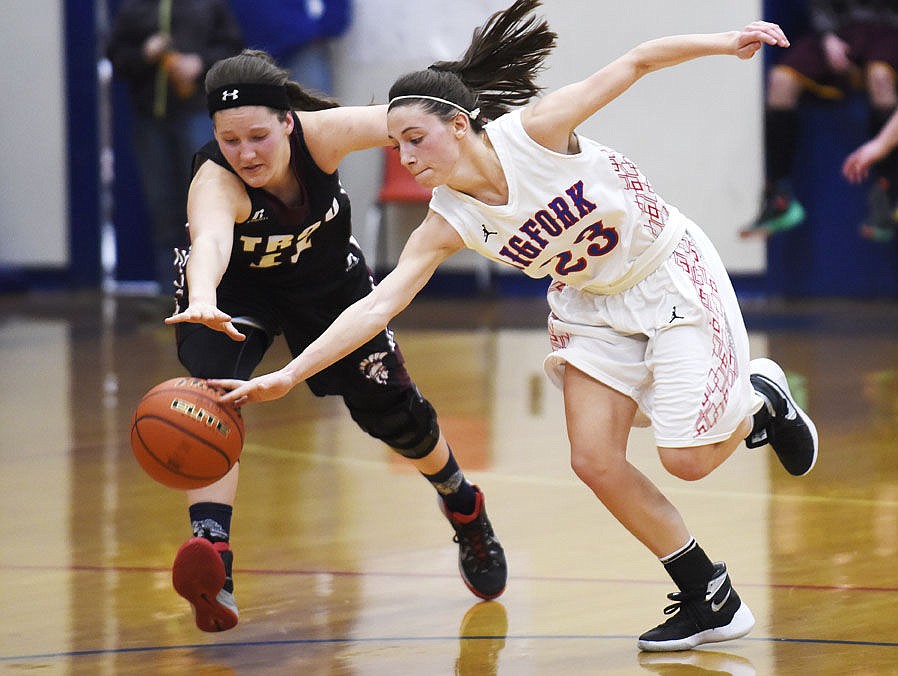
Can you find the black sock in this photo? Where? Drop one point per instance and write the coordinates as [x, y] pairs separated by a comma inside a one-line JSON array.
[[211, 520], [452, 486], [780, 143], [689, 567], [758, 435], [761, 419], [227, 558]]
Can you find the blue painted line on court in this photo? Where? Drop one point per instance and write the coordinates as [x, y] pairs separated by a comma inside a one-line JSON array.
[[404, 639]]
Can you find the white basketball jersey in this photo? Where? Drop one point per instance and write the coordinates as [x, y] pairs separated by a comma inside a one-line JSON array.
[[589, 220]]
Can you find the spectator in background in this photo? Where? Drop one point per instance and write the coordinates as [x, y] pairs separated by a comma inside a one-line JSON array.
[[162, 49], [858, 164], [853, 43], [297, 33]]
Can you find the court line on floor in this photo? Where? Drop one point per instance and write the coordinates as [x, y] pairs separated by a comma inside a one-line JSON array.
[[406, 639]]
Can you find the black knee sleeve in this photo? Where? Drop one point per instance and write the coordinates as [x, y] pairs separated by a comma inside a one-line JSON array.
[[408, 425], [212, 354]]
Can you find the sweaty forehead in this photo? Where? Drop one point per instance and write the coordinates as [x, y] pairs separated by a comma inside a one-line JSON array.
[[244, 118], [409, 116], [412, 107]]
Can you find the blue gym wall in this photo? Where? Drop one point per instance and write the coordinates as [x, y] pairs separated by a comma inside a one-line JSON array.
[[825, 257], [133, 241], [84, 200]]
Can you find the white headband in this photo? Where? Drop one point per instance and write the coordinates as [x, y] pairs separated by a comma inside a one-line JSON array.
[[470, 113]]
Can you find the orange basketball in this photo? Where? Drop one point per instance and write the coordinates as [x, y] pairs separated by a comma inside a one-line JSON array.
[[183, 436]]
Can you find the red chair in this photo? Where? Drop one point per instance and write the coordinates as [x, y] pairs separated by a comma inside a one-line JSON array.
[[399, 188], [398, 184]]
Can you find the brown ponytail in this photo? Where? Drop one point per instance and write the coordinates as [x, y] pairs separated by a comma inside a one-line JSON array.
[[496, 73]]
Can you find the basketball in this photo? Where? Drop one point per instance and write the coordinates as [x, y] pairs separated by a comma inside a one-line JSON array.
[[183, 436]]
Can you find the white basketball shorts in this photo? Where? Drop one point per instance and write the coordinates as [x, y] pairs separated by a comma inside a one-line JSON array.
[[675, 343]]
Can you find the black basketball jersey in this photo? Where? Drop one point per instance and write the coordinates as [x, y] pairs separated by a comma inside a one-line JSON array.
[[306, 245]]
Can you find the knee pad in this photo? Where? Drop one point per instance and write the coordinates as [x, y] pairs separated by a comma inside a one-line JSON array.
[[211, 354], [408, 425]]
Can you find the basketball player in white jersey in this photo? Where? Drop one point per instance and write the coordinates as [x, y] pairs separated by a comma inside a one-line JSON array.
[[644, 323]]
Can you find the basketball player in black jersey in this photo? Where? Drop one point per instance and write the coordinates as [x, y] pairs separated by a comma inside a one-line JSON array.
[[271, 252]]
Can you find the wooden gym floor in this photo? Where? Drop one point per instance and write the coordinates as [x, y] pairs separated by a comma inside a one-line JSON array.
[[343, 562]]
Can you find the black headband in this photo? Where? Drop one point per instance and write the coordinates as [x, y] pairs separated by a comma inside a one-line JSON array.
[[236, 95]]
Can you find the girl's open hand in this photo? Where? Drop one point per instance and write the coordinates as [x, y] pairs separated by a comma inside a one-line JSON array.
[[756, 34], [209, 315], [857, 165], [261, 388]]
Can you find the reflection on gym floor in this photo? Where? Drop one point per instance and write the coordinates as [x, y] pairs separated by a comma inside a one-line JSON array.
[[343, 563]]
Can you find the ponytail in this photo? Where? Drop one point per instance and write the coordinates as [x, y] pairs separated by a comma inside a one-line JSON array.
[[497, 72]]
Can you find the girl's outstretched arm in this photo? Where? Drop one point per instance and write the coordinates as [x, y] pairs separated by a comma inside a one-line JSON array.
[[333, 133], [430, 244], [552, 119], [212, 207]]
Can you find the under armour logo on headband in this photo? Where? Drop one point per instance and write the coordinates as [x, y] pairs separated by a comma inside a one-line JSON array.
[[237, 94]]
